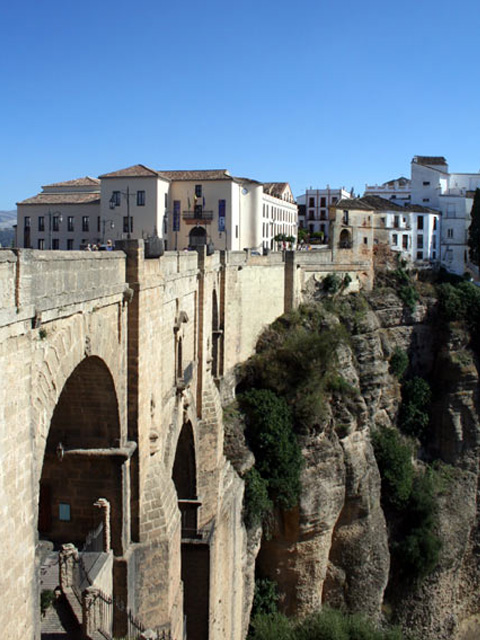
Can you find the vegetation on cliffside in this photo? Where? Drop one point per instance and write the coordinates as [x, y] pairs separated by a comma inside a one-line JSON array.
[[313, 380]]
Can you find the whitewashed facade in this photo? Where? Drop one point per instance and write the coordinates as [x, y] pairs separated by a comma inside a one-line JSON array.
[[184, 208], [314, 216]]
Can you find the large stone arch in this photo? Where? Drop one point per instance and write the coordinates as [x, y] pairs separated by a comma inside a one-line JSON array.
[[67, 343], [81, 461]]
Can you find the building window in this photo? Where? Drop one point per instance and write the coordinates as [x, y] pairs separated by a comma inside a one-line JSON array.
[[345, 217], [426, 200], [365, 240], [125, 224], [450, 233], [395, 239], [311, 202], [419, 255], [420, 242], [404, 242], [435, 224], [99, 224], [236, 231], [396, 221], [426, 183], [323, 214], [41, 223], [323, 202], [41, 243], [85, 223], [70, 224], [434, 242], [26, 222], [198, 210], [70, 244], [115, 199], [64, 512], [334, 199], [55, 243], [198, 190], [141, 198], [55, 223], [420, 222]]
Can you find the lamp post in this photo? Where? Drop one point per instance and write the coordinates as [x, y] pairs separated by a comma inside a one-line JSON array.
[[113, 203], [104, 223], [51, 215]]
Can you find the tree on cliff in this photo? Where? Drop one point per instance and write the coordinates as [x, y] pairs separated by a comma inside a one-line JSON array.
[[474, 231]]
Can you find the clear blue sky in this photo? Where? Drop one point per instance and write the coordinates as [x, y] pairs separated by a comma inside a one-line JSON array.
[[311, 92]]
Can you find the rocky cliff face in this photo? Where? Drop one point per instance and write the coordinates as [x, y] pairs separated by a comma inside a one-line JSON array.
[[333, 548]]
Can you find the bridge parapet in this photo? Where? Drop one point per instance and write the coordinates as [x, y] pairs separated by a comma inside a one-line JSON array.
[[33, 282]]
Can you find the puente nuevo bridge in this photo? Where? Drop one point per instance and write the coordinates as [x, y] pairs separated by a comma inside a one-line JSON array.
[[114, 369]]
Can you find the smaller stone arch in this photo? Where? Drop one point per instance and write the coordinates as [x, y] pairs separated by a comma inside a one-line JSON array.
[[345, 241], [197, 237], [216, 337]]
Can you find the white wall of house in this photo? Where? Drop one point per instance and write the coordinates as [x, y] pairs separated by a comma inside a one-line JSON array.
[[58, 226], [147, 219]]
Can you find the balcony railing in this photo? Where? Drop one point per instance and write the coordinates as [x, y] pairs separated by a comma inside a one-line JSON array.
[[198, 215]]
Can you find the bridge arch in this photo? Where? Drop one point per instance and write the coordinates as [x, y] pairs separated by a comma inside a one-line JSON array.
[[82, 460]]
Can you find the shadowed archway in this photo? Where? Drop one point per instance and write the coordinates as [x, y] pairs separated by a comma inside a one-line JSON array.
[[82, 461]]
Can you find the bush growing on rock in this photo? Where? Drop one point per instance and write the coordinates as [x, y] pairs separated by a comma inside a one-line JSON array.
[[257, 503], [414, 415], [394, 459], [398, 362], [329, 624], [278, 457]]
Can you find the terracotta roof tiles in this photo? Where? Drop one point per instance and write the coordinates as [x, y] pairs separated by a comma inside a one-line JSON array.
[[135, 171], [63, 198], [87, 181]]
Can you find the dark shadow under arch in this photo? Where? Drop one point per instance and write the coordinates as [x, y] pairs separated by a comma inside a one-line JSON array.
[[80, 464]]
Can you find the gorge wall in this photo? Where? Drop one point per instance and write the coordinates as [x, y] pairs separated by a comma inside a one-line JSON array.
[[334, 547]]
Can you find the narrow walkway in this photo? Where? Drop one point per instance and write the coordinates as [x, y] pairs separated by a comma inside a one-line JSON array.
[[59, 622]]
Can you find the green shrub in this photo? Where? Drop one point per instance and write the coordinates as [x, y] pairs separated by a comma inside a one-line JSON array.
[[271, 627], [47, 598], [257, 503], [398, 362], [274, 444], [329, 624], [394, 459], [266, 596], [332, 283], [414, 415], [420, 547], [409, 296]]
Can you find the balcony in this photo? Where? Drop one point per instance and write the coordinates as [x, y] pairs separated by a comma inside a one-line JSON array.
[[197, 215]]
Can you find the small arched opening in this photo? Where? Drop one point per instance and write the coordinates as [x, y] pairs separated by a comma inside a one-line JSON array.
[[216, 337], [197, 237], [195, 550], [345, 241]]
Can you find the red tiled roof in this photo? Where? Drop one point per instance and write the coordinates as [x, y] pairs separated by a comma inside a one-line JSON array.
[[201, 174], [429, 160], [63, 198], [135, 171], [87, 181]]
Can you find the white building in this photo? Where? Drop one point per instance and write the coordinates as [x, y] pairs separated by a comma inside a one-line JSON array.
[[452, 193], [397, 191], [314, 210], [185, 208], [413, 231], [431, 185], [64, 215]]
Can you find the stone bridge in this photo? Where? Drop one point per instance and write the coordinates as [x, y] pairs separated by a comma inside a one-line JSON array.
[[113, 371]]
